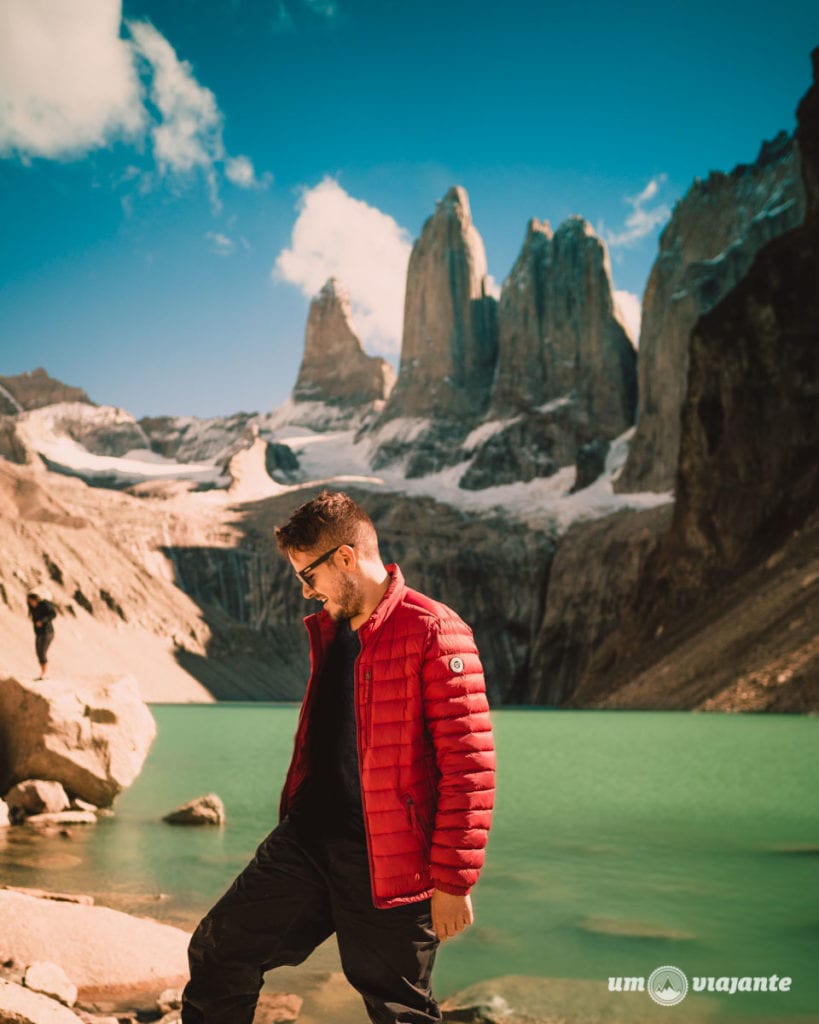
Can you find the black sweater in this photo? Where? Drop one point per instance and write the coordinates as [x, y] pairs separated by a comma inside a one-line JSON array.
[[42, 614]]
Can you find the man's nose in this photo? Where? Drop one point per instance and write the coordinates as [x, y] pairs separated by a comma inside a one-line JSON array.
[[307, 591]]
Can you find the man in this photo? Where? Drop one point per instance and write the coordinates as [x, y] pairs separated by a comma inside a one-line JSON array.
[[388, 799]]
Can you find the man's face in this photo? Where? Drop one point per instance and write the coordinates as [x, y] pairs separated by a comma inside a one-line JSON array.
[[335, 587]]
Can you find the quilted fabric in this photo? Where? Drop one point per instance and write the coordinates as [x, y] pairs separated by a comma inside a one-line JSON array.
[[425, 748]]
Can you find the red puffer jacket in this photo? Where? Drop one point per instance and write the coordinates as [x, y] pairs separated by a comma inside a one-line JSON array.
[[424, 744]]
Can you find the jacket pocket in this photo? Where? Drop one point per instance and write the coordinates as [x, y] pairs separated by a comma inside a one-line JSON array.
[[415, 824]]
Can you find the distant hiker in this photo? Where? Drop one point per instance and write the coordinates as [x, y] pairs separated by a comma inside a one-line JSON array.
[[42, 613]]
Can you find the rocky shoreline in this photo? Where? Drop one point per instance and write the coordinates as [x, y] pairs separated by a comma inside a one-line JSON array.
[[65, 960]]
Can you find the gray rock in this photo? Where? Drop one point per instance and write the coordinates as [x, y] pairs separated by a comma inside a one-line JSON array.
[[52, 981], [103, 430], [91, 738], [594, 576], [591, 461], [82, 805], [170, 999], [35, 796], [532, 445], [335, 369], [706, 249], [281, 462], [449, 345], [13, 447], [107, 954], [36, 389], [63, 818], [18, 1005], [189, 439], [559, 333], [203, 810]]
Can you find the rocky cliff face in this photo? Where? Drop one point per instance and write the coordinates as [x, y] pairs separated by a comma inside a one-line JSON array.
[[335, 369], [706, 249], [594, 574], [150, 586], [513, 390], [449, 344], [566, 374], [559, 334], [102, 430], [188, 439], [34, 390], [743, 547]]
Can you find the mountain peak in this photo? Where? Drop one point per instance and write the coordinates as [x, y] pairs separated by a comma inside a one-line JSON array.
[[334, 367]]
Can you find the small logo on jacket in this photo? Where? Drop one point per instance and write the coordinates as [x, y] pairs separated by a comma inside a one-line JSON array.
[[456, 664]]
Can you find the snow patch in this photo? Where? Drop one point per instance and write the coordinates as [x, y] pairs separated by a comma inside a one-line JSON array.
[[403, 429], [481, 434], [66, 454], [556, 403]]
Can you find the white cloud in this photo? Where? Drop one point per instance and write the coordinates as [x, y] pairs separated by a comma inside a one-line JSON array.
[[239, 170], [67, 81], [188, 134], [220, 244], [640, 222], [631, 312], [336, 235], [69, 84]]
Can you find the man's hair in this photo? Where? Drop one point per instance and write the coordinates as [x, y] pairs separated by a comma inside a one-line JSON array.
[[330, 519]]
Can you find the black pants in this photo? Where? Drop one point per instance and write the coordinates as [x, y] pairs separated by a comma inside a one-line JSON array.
[[288, 900], [42, 642]]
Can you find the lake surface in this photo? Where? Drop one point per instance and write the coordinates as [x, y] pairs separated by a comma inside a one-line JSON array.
[[622, 841]]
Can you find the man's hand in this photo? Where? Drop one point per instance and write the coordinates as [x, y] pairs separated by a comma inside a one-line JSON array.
[[450, 914]]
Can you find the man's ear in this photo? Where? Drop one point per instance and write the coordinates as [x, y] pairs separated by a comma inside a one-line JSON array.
[[347, 556]]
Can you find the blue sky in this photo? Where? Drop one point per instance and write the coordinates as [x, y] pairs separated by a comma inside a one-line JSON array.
[[176, 177]]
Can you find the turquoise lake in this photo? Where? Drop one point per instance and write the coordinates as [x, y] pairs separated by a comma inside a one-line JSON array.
[[622, 841]]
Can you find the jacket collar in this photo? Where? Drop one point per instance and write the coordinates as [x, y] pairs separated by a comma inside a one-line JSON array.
[[392, 596]]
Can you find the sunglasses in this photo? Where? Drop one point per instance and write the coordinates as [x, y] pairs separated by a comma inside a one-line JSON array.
[[305, 574]]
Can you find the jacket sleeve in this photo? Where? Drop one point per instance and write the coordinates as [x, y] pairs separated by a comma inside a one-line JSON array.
[[457, 718]]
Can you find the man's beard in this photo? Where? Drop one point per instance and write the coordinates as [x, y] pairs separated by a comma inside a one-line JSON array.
[[349, 601]]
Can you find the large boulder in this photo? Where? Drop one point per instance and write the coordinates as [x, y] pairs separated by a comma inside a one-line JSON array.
[[91, 738], [108, 955]]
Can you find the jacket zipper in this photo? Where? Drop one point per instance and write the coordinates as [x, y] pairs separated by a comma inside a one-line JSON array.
[[362, 723], [316, 654]]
